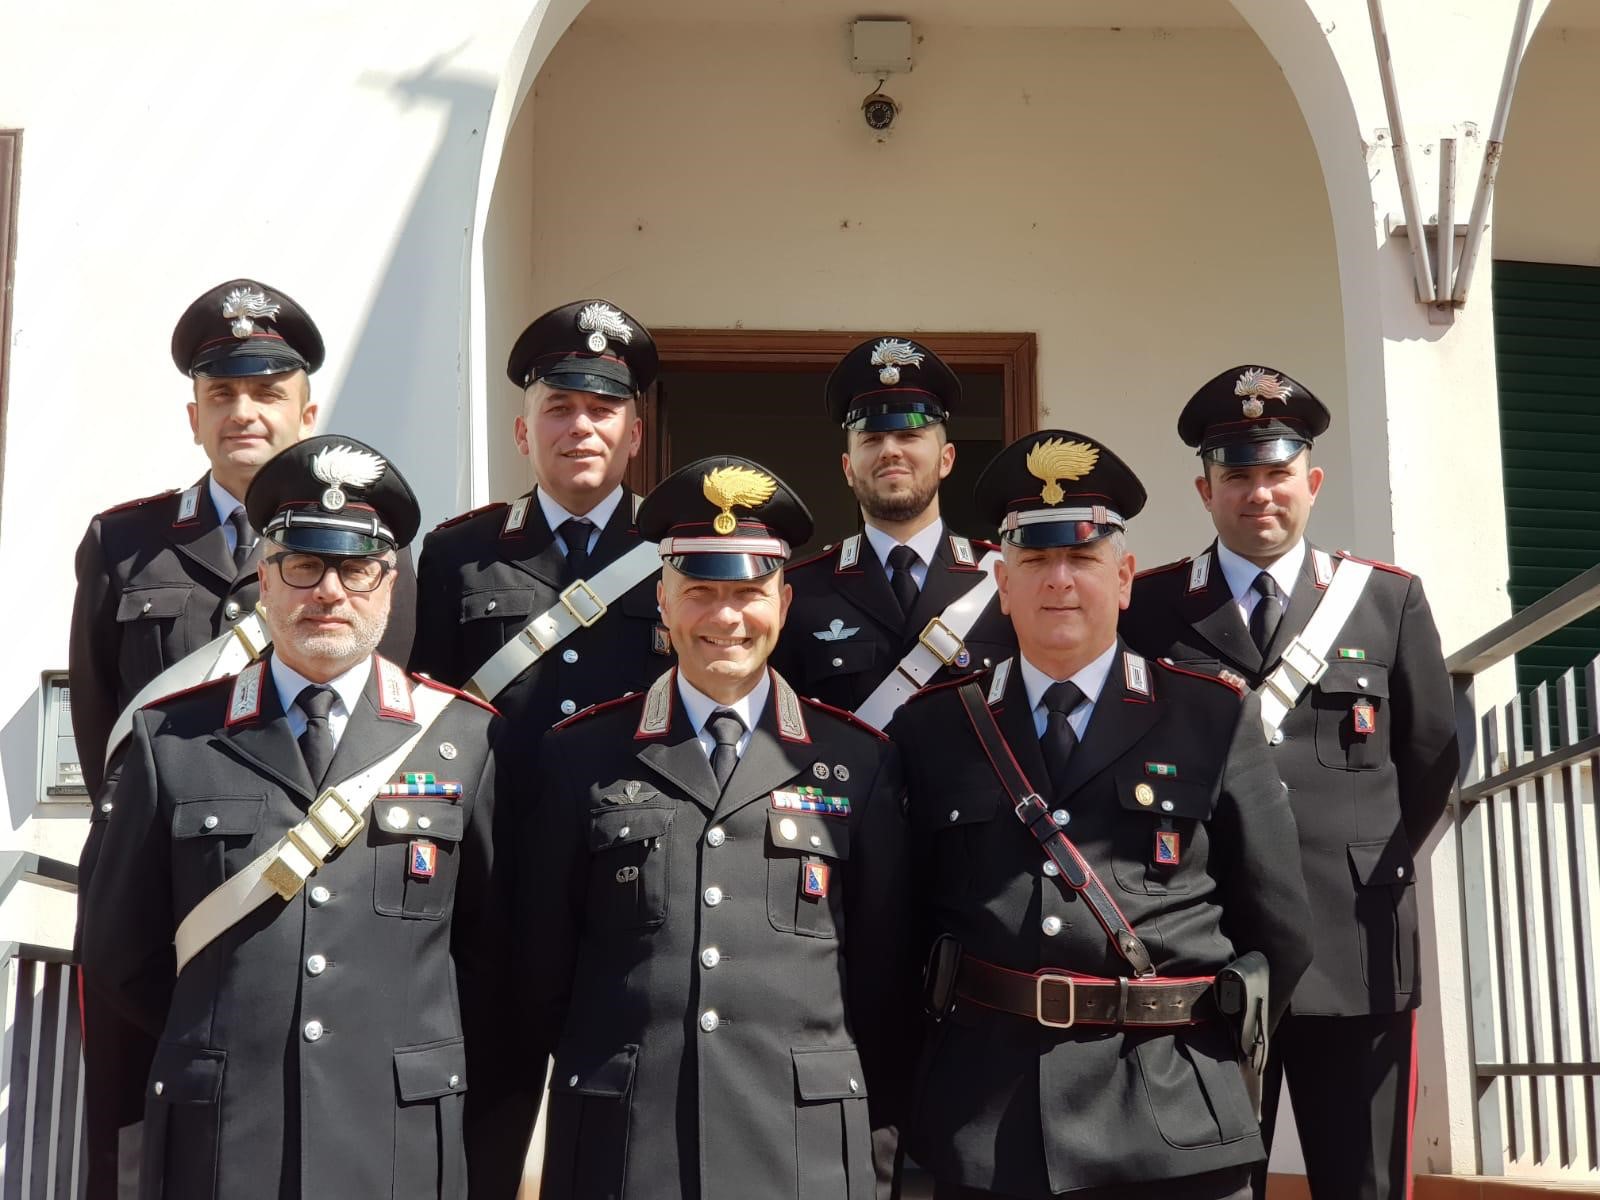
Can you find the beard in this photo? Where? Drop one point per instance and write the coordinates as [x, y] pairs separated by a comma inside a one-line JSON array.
[[898, 505], [347, 645]]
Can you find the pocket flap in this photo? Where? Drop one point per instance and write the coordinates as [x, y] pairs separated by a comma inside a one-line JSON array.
[[403, 818], [1355, 678], [497, 603], [591, 1074], [1165, 796], [182, 1074], [220, 816], [1382, 863], [827, 659], [431, 1070], [153, 603], [969, 797], [612, 827], [809, 833], [829, 1074]]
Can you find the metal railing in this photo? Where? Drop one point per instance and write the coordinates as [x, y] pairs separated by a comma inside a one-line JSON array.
[[41, 1053], [1530, 897]]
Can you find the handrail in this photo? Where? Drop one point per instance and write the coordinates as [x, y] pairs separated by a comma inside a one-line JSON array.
[[1543, 617], [35, 953], [19, 865]]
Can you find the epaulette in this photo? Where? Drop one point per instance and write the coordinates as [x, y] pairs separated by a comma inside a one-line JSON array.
[[193, 687], [945, 685], [468, 515], [1372, 562], [115, 508], [600, 707], [817, 557], [1236, 689], [445, 687], [848, 716], [1164, 567]]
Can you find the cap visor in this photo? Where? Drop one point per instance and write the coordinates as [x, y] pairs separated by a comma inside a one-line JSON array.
[[1048, 534], [587, 381], [724, 566], [330, 541], [226, 366], [883, 422], [1255, 454]]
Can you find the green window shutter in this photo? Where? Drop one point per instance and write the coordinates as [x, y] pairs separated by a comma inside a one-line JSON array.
[[1547, 355]]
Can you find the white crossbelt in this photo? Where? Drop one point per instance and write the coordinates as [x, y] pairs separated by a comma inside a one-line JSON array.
[[224, 655], [938, 645], [581, 605], [332, 822], [1306, 658]]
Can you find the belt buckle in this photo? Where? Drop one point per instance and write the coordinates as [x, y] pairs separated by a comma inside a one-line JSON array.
[[581, 587], [1304, 661], [1038, 1000], [332, 796], [935, 628]]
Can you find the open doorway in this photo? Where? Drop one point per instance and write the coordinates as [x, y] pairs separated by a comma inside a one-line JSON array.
[[759, 393]]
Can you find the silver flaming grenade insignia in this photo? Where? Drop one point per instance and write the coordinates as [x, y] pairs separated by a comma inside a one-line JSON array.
[[1256, 385], [890, 355], [344, 466], [600, 322], [244, 307]]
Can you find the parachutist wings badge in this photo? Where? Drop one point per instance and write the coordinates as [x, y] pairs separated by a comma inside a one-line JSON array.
[[729, 486], [1054, 460], [890, 355], [1256, 385], [244, 307], [345, 466], [600, 322]]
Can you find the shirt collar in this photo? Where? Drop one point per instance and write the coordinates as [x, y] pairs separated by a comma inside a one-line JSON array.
[[925, 543], [347, 687], [1241, 573], [1091, 679], [700, 706], [222, 499], [600, 515]]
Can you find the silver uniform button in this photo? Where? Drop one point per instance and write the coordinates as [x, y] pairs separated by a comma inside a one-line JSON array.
[[320, 895], [313, 1030], [1399, 872], [316, 965], [1050, 868], [573, 1082], [159, 1087], [1277, 737], [838, 662], [816, 842], [708, 1020], [710, 956], [1167, 806], [210, 822], [1061, 816], [569, 655], [855, 1085], [230, 609], [568, 707], [105, 806], [715, 836], [955, 814], [455, 1081], [713, 895], [1051, 926], [148, 605], [491, 606], [424, 822], [1361, 681]]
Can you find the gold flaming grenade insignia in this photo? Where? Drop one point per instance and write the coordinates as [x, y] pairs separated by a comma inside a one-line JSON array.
[[1054, 460], [729, 486]]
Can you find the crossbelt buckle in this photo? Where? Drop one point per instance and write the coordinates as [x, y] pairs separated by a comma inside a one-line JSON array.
[[581, 601], [251, 647], [1304, 661], [941, 641], [1038, 999], [1028, 807], [335, 818]]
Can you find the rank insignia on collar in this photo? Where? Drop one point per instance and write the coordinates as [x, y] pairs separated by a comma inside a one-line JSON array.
[[1354, 652], [245, 702], [244, 306], [1168, 851], [791, 720], [516, 516], [394, 691], [1256, 385], [1322, 568], [849, 552], [660, 639], [188, 506], [997, 685], [814, 880], [424, 859], [1136, 673], [890, 355], [602, 322], [961, 551], [657, 715], [836, 632], [1155, 768], [1365, 718], [1199, 573]]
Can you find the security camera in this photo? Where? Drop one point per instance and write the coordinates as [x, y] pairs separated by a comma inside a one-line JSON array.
[[879, 112]]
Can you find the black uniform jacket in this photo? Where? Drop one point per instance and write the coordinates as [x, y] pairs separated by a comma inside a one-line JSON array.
[[714, 975], [845, 631], [280, 1074], [485, 575], [154, 584], [1364, 802], [1024, 1110]]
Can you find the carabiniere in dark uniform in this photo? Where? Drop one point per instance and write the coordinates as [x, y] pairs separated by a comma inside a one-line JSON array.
[[488, 573], [1091, 1025], [1368, 756], [846, 629]]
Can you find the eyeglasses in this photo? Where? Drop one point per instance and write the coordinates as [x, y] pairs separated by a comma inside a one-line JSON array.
[[359, 573]]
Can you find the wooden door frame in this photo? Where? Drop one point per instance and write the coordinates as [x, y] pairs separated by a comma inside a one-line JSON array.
[[1012, 356]]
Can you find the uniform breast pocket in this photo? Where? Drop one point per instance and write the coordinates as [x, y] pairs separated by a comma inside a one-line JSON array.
[[953, 824], [1351, 702], [492, 617], [628, 866], [828, 660], [148, 618], [1157, 851], [806, 854], [415, 845], [213, 837]]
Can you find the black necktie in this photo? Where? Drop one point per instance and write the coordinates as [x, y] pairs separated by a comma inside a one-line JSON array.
[[316, 743], [244, 538], [1058, 740], [727, 728], [902, 582], [1268, 612], [575, 535]]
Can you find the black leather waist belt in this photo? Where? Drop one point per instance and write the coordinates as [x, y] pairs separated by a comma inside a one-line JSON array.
[[1059, 1000]]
